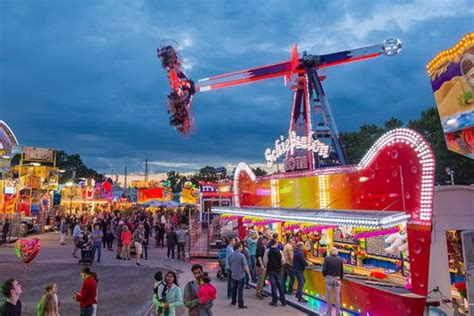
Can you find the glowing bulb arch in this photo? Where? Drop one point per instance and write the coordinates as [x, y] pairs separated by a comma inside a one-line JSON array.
[[7, 138], [427, 161]]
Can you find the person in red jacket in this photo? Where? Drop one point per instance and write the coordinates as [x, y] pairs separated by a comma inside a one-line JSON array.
[[87, 296], [126, 242]]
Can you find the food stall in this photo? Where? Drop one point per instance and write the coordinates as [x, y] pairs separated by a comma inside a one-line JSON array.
[[378, 214]]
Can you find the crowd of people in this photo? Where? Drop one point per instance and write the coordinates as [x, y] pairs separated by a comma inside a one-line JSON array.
[[261, 256], [129, 234], [49, 302], [258, 257]]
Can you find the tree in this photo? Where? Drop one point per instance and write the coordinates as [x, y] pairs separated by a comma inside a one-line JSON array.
[[173, 177], [207, 174], [358, 143], [429, 126], [72, 165], [259, 172]]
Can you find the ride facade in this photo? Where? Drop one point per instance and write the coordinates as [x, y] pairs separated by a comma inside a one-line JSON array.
[[378, 213]]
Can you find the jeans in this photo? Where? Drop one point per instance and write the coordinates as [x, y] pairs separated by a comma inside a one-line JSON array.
[[126, 252], [288, 271], [253, 268], [87, 311], [277, 284], [300, 277], [181, 254], [333, 283], [76, 245], [97, 247], [261, 280], [238, 286], [171, 250], [229, 283], [110, 240], [4, 238]]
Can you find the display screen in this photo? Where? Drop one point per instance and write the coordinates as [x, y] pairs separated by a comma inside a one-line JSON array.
[[9, 190]]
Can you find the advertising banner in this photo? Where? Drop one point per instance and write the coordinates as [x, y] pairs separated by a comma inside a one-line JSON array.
[[39, 154], [152, 194], [452, 80]]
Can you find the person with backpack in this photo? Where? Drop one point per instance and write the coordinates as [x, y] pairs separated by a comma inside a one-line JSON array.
[[159, 289]]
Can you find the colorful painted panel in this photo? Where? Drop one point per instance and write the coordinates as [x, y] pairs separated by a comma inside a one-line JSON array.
[[452, 79]]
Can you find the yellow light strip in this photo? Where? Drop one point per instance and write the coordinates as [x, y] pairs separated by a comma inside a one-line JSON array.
[[450, 54]]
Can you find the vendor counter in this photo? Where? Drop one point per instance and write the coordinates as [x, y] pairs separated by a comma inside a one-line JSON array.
[[365, 296]]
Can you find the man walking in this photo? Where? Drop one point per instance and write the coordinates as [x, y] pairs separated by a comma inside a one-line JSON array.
[[228, 252], [274, 268], [76, 235], [252, 246], [288, 270], [261, 267], [299, 265], [97, 236], [171, 240], [182, 237], [239, 266], [190, 294], [333, 273], [118, 235], [138, 240]]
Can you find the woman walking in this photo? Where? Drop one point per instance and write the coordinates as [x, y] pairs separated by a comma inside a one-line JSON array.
[[170, 296]]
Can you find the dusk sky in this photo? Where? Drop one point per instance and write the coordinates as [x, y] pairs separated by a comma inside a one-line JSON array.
[[83, 76]]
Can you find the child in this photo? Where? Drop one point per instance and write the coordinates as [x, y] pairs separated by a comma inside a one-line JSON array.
[[207, 292], [159, 289]]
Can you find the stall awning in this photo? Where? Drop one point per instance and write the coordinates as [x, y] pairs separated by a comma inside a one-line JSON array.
[[358, 218]]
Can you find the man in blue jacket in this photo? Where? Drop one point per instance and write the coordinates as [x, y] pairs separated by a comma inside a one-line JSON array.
[[299, 265]]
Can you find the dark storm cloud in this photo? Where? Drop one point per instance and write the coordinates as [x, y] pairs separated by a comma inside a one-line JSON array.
[[83, 75]]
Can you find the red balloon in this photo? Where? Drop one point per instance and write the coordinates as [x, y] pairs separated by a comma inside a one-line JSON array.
[[27, 249]]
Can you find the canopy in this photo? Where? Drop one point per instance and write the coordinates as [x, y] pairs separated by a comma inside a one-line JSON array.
[[359, 218]]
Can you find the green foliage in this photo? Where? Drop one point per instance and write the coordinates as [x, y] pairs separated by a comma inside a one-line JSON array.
[[358, 143], [259, 172], [429, 126], [72, 165], [173, 177], [74, 168]]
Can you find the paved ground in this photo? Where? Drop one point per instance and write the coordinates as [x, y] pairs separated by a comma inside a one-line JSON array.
[[124, 288]]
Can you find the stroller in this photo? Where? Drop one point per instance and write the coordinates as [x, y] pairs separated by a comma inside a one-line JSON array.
[[222, 273], [86, 254]]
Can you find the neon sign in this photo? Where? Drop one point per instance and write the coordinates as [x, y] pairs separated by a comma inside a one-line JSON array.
[[293, 142]]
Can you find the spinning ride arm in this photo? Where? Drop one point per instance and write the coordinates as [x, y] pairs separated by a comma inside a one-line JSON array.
[[183, 88], [389, 47]]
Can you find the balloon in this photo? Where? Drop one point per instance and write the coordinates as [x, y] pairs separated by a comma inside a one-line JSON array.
[[27, 249]]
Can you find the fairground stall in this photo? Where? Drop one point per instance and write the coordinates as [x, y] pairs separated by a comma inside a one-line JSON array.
[[378, 214]]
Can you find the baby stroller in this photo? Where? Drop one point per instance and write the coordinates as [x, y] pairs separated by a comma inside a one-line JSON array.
[[86, 254], [222, 273]]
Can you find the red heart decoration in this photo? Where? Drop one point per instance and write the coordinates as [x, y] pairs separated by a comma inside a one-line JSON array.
[[27, 249]]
